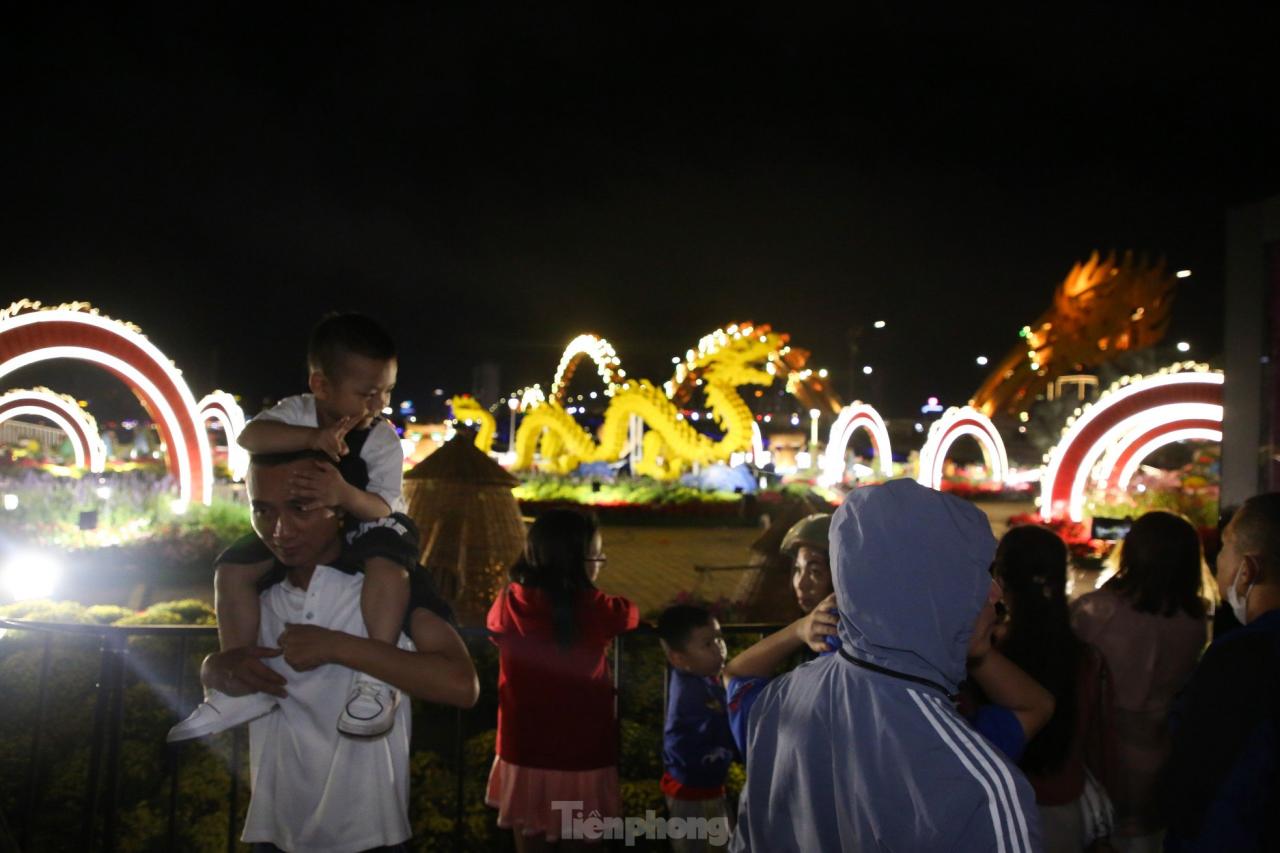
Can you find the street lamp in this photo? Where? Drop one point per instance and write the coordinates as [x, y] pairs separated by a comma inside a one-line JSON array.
[[513, 404], [814, 414]]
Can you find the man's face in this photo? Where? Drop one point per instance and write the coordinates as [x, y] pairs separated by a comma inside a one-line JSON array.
[[362, 388], [1230, 559], [704, 652], [811, 578], [296, 536]]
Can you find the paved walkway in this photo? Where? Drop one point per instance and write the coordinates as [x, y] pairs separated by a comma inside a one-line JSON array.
[[652, 565]]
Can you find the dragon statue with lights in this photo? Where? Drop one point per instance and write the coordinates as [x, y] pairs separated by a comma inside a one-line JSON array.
[[1102, 310], [737, 355]]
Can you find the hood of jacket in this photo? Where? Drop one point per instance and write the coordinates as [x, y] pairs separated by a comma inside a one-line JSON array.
[[911, 572]]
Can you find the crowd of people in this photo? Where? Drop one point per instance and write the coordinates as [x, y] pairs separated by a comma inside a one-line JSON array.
[[954, 697]]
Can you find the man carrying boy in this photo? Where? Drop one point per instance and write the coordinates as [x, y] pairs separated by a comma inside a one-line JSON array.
[[352, 363], [697, 746], [312, 788]]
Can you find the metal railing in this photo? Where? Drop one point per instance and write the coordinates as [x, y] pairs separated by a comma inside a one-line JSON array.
[[99, 821]]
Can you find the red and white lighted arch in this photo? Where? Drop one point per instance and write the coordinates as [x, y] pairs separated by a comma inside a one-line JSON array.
[[30, 334], [956, 423], [79, 425], [852, 418], [1108, 440], [221, 408]]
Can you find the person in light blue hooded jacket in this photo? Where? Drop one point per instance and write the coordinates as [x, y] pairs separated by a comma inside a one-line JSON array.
[[864, 750]]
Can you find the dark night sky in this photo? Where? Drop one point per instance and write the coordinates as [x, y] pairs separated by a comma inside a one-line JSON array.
[[490, 182]]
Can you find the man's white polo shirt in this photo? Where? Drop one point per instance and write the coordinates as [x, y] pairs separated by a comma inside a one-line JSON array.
[[314, 788]]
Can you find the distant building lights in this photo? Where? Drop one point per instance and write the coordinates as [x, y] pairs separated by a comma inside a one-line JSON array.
[[879, 324], [1183, 274], [866, 369], [822, 373], [981, 360]]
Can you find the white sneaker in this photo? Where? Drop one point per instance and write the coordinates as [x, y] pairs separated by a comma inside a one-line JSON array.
[[370, 709], [219, 712]]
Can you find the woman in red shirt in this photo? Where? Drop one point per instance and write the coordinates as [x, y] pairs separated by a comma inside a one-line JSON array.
[[557, 727]]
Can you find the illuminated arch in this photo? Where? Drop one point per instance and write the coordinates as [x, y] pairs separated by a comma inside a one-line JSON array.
[[30, 334], [598, 350], [222, 408], [1124, 475], [79, 425], [955, 423], [853, 417], [1136, 413]]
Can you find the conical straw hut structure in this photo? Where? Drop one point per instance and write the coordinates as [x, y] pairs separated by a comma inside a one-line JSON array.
[[470, 524]]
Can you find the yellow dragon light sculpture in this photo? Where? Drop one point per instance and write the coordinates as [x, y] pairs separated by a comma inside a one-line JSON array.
[[741, 354]]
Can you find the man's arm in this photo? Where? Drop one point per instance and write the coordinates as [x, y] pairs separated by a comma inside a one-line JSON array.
[[763, 659], [439, 671], [1008, 686]]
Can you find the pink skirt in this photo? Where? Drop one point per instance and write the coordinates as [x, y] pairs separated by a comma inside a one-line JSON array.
[[523, 796]]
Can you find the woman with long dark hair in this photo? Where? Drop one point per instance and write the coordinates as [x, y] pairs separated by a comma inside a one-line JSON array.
[[1031, 566], [1150, 622], [557, 731]]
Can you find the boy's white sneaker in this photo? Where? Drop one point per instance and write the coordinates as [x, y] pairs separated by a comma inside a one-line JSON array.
[[370, 709], [219, 712]]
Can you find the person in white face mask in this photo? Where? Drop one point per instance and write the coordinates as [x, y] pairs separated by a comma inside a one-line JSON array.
[[1222, 786]]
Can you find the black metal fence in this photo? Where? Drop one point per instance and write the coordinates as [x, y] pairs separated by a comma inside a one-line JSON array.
[[69, 796]]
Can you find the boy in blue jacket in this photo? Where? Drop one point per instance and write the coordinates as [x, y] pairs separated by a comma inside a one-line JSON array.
[[697, 746]]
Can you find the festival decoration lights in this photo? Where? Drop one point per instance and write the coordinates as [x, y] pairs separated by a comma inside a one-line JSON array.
[[956, 423], [63, 410], [222, 408], [1183, 395], [855, 416], [31, 333]]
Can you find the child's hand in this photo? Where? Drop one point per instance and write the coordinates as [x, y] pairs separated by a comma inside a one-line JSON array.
[[318, 486], [823, 622], [308, 646], [332, 439]]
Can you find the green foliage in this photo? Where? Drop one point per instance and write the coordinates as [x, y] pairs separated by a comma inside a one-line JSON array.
[[624, 490], [189, 611]]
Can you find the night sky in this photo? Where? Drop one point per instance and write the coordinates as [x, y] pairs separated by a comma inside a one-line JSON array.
[[491, 181]]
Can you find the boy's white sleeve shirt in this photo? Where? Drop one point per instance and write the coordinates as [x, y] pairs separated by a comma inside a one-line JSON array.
[[298, 410], [384, 458]]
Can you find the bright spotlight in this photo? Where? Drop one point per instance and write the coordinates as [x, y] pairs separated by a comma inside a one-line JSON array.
[[866, 369], [982, 360], [1183, 273], [30, 574], [879, 324], [1183, 346]]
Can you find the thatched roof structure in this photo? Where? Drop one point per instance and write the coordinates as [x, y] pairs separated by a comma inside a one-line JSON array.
[[470, 522]]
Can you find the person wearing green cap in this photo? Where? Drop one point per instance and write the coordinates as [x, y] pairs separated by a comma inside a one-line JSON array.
[[746, 675]]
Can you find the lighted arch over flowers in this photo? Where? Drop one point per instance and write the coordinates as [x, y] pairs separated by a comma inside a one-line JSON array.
[[30, 334], [222, 408], [1141, 451], [956, 423], [79, 425], [1131, 419], [599, 351], [852, 418]]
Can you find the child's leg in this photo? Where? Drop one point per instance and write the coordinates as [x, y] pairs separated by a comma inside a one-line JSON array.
[[384, 599], [235, 598]]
